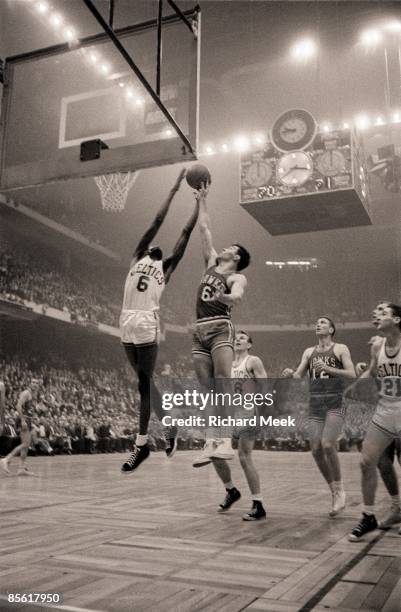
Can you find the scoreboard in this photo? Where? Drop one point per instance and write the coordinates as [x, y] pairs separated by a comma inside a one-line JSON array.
[[322, 186]]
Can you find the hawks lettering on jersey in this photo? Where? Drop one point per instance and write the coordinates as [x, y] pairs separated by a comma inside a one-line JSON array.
[[389, 374], [319, 382], [144, 285], [211, 282]]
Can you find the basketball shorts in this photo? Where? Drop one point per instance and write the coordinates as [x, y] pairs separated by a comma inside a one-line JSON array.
[[139, 327], [211, 334], [387, 418], [321, 405]]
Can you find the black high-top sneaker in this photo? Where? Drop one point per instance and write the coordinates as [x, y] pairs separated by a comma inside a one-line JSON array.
[[232, 496], [256, 512], [139, 454]]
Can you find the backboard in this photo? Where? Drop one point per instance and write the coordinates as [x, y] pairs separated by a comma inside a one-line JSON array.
[[56, 98]]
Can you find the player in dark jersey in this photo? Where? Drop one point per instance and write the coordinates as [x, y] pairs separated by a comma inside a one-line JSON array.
[[386, 462], [327, 363], [144, 285], [24, 425], [221, 287]]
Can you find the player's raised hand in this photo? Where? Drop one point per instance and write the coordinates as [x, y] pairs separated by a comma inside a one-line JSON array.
[[287, 373], [201, 194]]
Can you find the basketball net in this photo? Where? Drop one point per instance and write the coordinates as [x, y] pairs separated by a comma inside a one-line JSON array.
[[114, 189]]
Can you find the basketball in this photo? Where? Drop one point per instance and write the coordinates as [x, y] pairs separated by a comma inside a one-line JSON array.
[[197, 175]]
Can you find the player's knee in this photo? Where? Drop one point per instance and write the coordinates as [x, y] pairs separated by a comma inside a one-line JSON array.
[[243, 455], [143, 384], [316, 448], [385, 464], [328, 445], [368, 463], [221, 371]]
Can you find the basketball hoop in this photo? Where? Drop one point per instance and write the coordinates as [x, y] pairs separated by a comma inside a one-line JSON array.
[[114, 189]]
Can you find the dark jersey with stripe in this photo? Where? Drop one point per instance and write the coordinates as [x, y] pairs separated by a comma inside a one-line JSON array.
[[324, 382], [211, 282]]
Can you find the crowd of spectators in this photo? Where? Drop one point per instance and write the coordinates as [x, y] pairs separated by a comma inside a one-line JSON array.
[[93, 410], [296, 296], [23, 277], [291, 295], [26, 278]]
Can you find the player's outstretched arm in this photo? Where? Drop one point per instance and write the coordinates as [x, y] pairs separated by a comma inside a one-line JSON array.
[[301, 369], [209, 252], [367, 373], [170, 263], [151, 232]]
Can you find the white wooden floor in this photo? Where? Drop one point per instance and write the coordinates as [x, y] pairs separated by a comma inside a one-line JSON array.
[[153, 541]]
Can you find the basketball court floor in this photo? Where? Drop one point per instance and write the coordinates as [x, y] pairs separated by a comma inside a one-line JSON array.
[[153, 540]]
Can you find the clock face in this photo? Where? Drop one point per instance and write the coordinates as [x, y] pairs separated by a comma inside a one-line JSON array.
[[258, 173], [293, 130], [294, 169], [331, 163]]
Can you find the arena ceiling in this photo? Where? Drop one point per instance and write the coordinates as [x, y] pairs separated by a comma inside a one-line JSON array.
[[246, 80]]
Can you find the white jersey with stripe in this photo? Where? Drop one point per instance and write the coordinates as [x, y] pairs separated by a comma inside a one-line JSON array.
[[144, 285], [389, 375]]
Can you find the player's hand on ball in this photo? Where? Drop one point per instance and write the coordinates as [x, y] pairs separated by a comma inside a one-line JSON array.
[[202, 192], [287, 373]]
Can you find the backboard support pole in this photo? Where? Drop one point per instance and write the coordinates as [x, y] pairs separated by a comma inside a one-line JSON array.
[[159, 47], [111, 13]]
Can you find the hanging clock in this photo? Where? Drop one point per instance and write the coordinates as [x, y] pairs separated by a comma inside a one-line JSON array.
[[331, 162], [293, 130], [294, 169], [258, 173]]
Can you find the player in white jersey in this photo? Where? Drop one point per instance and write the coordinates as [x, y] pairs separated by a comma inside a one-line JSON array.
[[24, 425], [386, 462], [139, 322], [385, 426], [246, 370]]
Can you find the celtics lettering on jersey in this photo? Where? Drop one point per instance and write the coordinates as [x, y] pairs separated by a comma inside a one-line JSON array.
[[319, 382], [389, 374], [144, 285], [211, 282]]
